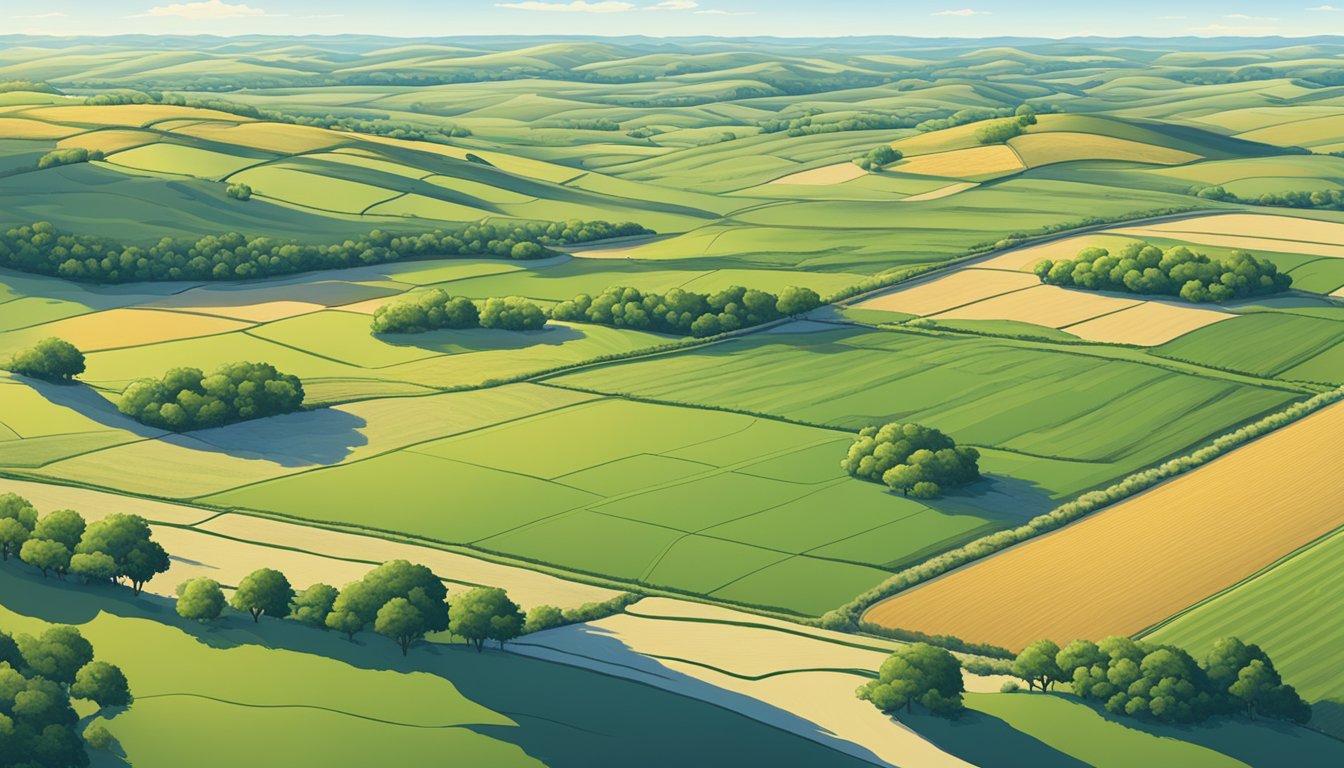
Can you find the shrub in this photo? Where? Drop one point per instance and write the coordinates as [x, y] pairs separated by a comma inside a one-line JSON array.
[[239, 191], [999, 131], [682, 312], [921, 674], [1177, 271], [69, 156], [98, 737], [185, 398], [51, 359], [878, 158], [512, 314], [1009, 686], [917, 460], [431, 310]]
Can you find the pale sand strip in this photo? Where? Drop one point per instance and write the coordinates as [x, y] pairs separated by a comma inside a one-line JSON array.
[[953, 290], [830, 174], [939, 193], [98, 504], [1149, 324], [1279, 227], [1150, 556], [1048, 305], [1244, 242]]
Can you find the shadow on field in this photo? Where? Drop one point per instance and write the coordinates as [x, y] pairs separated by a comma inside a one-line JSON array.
[[982, 739], [86, 401], [565, 716], [449, 341], [322, 436]]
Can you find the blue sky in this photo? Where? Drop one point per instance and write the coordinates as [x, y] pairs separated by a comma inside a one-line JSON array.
[[795, 18]]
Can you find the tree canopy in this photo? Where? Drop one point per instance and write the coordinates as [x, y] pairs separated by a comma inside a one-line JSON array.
[[683, 312], [427, 311], [185, 398], [51, 359], [263, 591], [118, 546], [919, 461], [200, 599], [358, 603], [485, 613], [1164, 682], [1176, 271], [512, 313], [878, 157], [920, 674], [43, 249]]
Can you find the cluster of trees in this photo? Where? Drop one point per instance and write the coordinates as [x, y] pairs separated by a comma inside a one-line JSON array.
[[109, 550], [1177, 271], [1165, 682], [543, 617], [1325, 199], [51, 359], [878, 158], [28, 86], [1002, 130], [186, 398], [42, 249], [401, 601], [393, 129], [919, 461], [68, 156], [38, 678], [808, 126], [592, 124], [919, 674], [686, 312], [239, 191], [435, 309]]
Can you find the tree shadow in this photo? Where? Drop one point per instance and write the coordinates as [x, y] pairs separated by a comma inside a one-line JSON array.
[[459, 341], [565, 716], [322, 436], [982, 739]]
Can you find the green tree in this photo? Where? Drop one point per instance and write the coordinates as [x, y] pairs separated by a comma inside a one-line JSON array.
[[94, 567], [12, 536], [347, 622], [401, 621], [915, 459], [200, 599], [543, 617], [103, 684], [795, 300], [484, 613], [58, 654], [313, 605], [512, 314], [144, 563], [64, 526], [1036, 664], [998, 131], [239, 191], [878, 158], [921, 673], [45, 555], [127, 540], [395, 578], [98, 737], [52, 359], [265, 590]]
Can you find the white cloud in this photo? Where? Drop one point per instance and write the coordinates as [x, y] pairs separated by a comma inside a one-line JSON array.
[[962, 12], [1234, 29], [209, 9], [1326, 9], [52, 15], [673, 5], [717, 12], [577, 6], [1244, 17]]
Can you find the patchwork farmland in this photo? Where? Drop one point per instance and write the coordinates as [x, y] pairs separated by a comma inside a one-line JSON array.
[[595, 321]]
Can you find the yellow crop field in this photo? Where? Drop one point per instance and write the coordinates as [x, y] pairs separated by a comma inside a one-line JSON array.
[[943, 293], [1047, 305], [271, 137], [1025, 258], [830, 174], [995, 160], [1146, 558], [940, 193], [1306, 133], [116, 328], [1037, 149], [1258, 225], [110, 140], [130, 115], [1149, 324], [19, 128]]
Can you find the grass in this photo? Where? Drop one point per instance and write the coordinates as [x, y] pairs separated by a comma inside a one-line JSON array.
[[1264, 344], [300, 694]]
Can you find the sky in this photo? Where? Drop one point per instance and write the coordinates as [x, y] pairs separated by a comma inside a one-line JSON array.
[[785, 18]]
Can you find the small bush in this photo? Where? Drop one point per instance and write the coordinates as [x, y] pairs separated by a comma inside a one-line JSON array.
[[69, 156], [98, 737], [51, 359], [239, 191], [1010, 686]]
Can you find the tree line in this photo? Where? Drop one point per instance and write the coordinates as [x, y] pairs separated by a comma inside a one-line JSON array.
[[917, 460], [1143, 268], [684, 312], [1164, 682], [1322, 199], [399, 600], [186, 398], [393, 129], [38, 678], [69, 156], [435, 309], [116, 548], [43, 249], [1002, 130], [878, 158]]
